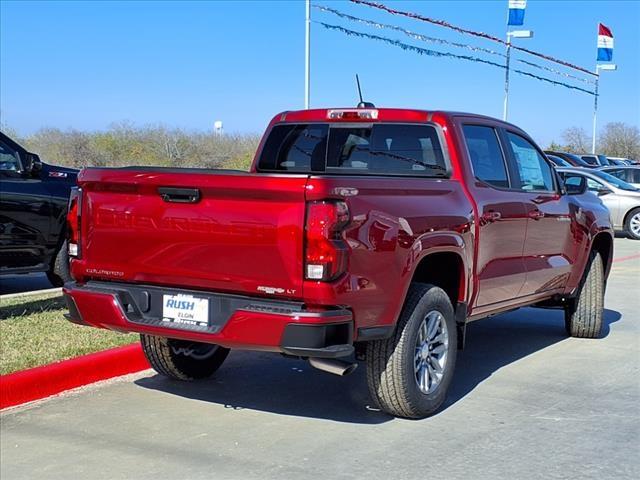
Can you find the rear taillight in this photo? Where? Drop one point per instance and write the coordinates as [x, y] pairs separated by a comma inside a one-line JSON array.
[[73, 222], [325, 249]]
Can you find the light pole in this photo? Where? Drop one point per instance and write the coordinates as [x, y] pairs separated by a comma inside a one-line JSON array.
[[605, 66], [513, 34], [307, 53]]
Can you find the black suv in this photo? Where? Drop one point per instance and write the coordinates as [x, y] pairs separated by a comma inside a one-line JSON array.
[[33, 208]]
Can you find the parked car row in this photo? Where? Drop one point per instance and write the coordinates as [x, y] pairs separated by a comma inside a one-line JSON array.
[[616, 181], [565, 159], [621, 198]]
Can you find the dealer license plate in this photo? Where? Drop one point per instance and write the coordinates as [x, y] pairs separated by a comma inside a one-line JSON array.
[[185, 310]]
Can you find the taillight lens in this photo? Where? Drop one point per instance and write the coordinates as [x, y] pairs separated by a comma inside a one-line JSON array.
[[73, 222], [326, 250]]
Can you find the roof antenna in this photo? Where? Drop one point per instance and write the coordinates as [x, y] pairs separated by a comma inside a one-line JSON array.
[[362, 103]]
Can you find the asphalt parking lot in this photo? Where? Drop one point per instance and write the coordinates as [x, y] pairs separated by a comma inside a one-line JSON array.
[[527, 402]]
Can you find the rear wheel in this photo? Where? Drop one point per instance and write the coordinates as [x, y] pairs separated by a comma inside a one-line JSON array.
[[182, 360], [59, 273], [583, 316], [632, 224], [409, 373]]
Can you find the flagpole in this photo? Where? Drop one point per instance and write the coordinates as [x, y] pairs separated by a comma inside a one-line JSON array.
[[505, 110], [595, 113], [518, 20], [307, 54]]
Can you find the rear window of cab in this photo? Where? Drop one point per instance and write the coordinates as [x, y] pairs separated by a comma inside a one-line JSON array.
[[358, 149]]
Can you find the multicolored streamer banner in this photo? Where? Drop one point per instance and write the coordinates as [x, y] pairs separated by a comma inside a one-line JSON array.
[[416, 36], [441, 41], [436, 53], [466, 31]]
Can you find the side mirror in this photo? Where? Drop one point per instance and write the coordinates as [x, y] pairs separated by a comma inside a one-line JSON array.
[[603, 191], [561, 186], [32, 164], [573, 189]]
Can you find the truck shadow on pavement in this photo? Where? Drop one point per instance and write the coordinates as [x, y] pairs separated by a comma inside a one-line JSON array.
[[271, 383]]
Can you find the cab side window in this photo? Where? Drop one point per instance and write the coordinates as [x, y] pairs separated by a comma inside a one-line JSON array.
[[9, 159], [486, 155], [534, 171]]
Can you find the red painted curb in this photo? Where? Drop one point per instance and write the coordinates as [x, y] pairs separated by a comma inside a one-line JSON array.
[[628, 257], [40, 382]]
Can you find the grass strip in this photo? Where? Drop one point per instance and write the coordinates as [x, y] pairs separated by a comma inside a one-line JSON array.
[[34, 332]]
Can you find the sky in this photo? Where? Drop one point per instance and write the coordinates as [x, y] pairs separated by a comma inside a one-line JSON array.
[[87, 65]]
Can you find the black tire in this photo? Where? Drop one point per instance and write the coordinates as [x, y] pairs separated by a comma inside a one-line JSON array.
[[632, 216], [182, 360], [59, 273], [391, 371], [583, 316]]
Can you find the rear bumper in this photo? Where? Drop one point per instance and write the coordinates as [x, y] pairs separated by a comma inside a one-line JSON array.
[[234, 321]]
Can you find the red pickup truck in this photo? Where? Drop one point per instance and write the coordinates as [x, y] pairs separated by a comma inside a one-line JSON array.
[[358, 234]]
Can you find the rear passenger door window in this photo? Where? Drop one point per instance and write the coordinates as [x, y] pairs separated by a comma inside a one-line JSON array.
[[535, 173], [486, 155]]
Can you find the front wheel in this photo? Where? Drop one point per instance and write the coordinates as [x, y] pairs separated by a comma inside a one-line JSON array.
[[632, 224], [583, 316], [409, 374], [182, 360]]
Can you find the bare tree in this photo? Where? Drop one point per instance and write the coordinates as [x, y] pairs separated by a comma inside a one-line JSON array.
[[619, 139], [576, 140]]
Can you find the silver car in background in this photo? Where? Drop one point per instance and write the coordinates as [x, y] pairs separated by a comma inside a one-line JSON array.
[[621, 198], [628, 174]]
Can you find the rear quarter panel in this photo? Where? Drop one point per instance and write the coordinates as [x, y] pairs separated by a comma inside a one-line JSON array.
[[395, 223]]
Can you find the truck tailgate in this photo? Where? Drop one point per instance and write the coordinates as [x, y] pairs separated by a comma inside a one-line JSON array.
[[244, 234]]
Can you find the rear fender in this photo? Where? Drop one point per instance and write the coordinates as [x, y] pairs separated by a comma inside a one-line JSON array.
[[433, 243]]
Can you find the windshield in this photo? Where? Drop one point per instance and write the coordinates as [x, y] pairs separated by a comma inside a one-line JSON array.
[[616, 182]]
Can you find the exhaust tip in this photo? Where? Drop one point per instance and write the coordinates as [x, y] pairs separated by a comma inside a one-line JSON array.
[[331, 365]]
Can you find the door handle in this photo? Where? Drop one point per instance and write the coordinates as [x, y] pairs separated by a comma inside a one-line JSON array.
[[491, 216], [179, 195], [536, 214]]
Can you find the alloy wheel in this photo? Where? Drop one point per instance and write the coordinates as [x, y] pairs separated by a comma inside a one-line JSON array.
[[432, 348]]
